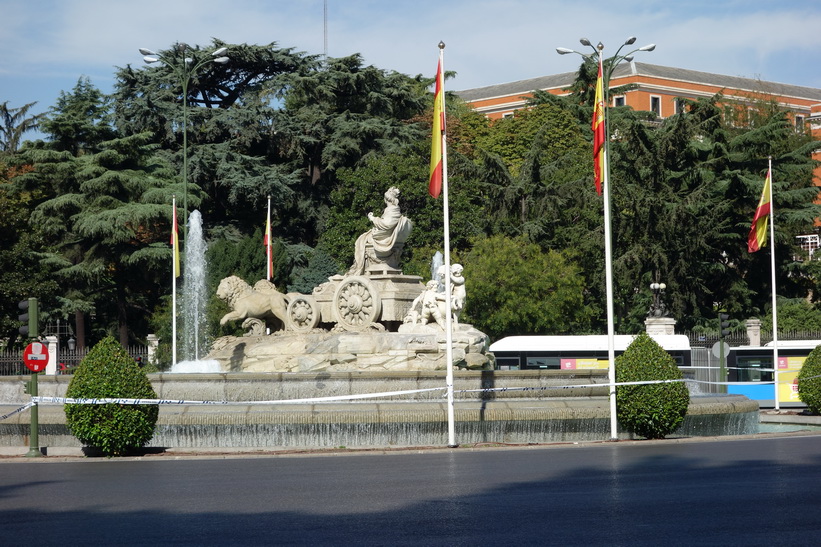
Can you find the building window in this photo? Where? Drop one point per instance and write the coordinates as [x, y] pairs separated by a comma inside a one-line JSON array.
[[679, 105], [655, 105], [618, 101], [508, 114], [799, 123]]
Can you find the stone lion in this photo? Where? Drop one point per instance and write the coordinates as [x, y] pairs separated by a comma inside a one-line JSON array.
[[255, 306]]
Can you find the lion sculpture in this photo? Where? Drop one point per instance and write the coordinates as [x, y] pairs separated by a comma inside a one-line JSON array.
[[255, 306]]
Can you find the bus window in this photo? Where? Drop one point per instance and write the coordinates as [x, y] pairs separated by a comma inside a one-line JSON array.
[[543, 362], [507, 363], [749, 369]]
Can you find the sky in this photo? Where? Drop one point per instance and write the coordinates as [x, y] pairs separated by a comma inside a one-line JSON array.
[[47, 45]]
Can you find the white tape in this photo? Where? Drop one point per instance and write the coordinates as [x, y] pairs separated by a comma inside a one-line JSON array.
[[125, 401], [17, 411]]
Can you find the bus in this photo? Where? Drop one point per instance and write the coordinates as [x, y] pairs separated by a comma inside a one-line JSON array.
[[576, 351], [753, 365]]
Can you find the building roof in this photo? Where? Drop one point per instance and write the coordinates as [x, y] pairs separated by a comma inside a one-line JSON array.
[[565, 79]]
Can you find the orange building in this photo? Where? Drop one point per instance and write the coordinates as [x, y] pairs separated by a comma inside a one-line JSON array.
[[658, 89]]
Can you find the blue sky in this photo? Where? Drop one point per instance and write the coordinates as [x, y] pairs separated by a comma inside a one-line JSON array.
[[48, 44]]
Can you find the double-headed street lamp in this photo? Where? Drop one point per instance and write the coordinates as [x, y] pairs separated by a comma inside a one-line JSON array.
[[184, 68], [608, 252], [615, 60]]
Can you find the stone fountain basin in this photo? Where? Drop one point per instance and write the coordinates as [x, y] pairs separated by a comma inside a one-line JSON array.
[[540, 414]]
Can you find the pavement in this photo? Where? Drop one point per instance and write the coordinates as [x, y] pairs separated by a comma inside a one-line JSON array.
[[787, 417]]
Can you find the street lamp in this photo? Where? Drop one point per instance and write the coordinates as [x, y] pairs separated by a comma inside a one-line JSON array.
[[614, 61], [657, 308], [184, 70], [608, 253]]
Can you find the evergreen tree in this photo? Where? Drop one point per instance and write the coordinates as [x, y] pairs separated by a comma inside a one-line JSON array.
[[14, 124], [109, 233]]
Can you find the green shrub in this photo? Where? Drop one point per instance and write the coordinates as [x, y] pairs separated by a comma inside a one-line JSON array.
[[650, 410], [108, 371], [809, 381]]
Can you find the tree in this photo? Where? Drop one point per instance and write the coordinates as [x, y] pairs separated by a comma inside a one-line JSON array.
[[651, 410], [513, 287], [14, 124], [110, 232], [20, 275], [362, 190], [80, 120], [233, 119], [109, 372]]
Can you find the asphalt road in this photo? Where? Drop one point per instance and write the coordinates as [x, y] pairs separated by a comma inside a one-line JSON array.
[[760, 491]]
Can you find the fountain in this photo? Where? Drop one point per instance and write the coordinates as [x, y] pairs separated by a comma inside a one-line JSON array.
[[376, 330], [194, 300]]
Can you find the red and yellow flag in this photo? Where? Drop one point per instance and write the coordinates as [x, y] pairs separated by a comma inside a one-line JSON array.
[[758, 230], [269, 255], [598, 133], [435, 186], [175, 241]]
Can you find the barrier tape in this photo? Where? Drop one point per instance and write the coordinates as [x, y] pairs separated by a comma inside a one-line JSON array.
[[17, 411], [126, 401]]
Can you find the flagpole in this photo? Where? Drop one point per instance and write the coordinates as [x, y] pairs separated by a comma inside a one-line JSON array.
[[174, 251], [772, 281], [608, 263], [448, 308]]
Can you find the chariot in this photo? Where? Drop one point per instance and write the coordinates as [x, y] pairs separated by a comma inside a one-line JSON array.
[[355, 302]]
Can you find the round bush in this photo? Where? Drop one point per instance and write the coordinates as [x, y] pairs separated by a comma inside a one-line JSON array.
[[809, 381], [651, 410], [108, 371]]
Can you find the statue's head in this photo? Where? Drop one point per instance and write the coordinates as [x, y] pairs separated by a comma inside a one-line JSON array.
[[392, 195], [456, 269]]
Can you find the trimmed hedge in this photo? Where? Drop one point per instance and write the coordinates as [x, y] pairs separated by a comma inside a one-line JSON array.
[[108, 371], [809, 381], [650, 410]]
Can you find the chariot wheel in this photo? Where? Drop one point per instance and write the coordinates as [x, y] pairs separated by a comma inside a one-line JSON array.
[[303, 313], [356, 303]]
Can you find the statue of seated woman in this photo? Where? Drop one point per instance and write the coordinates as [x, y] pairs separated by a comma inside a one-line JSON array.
[[383, 243]]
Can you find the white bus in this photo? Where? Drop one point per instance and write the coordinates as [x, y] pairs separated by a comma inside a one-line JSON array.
[[576, 351]]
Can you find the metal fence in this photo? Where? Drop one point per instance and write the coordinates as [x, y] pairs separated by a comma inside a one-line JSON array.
[[706, 340], [11, 361]]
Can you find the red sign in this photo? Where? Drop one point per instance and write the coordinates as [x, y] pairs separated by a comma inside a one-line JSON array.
[[35, 356]]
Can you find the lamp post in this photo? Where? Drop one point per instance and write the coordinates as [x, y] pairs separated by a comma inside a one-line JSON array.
[[657, 308], [615, 60], [184, 69], [608, 253]]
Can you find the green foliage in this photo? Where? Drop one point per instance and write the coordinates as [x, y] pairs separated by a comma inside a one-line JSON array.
[[14, 123], [793, 315], [312, 267], [109, 372], [809, 381], [514, 287], [362, 190], [649, 410], [325, 139]]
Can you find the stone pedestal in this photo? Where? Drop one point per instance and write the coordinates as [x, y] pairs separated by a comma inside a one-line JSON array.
[[754, 331], [422, 348], [660, 325]]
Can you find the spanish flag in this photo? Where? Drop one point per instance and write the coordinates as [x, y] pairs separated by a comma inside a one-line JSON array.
[[758, 230], [598, 133], [269, 255], [175, 241], [435, 186]]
